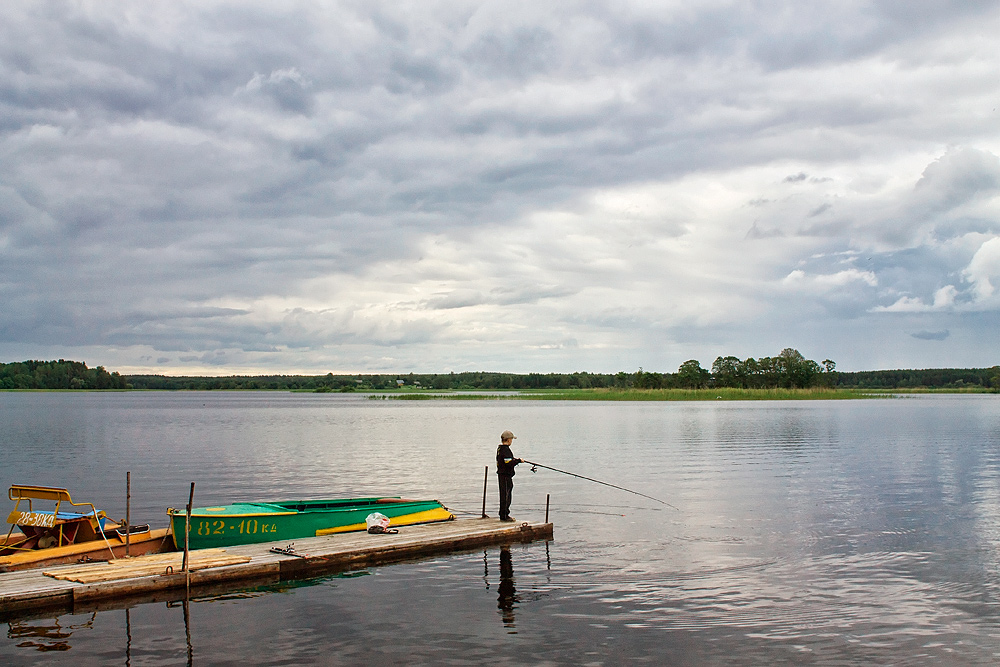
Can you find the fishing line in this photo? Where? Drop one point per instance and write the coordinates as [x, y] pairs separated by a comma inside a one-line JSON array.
[[591, 479], [566, 511]]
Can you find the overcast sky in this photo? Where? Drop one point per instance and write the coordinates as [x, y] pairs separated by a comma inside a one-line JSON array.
[[310, 187]]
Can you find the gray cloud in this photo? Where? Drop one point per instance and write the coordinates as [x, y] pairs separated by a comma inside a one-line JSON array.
[[931, 335]]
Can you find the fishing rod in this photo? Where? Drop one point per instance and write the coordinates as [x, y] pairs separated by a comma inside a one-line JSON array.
[[591, 479]]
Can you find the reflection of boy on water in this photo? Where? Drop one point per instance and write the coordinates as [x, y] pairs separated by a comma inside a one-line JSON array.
[[506, 593], [505, 473]]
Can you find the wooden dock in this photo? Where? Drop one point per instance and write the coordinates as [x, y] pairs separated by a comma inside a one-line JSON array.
[[157, 577]]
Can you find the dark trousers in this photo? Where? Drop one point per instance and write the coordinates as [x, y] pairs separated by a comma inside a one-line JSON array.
[[506, 487]]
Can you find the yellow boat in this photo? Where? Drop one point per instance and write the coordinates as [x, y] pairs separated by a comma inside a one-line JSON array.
[[64, 535]]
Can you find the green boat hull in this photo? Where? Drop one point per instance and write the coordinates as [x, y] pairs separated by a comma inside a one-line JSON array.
[[250, 523]]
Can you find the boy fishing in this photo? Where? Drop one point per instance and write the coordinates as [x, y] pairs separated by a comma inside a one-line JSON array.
[[505, 473]]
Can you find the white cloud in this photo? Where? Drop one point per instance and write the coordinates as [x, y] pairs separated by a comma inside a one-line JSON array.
[[984, 266], [944, 299], [825, 282], [277, 77]]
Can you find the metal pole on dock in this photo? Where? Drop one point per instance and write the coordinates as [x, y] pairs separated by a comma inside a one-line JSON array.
[[486, 476], [128, 515], [546, 508], [187, 538]]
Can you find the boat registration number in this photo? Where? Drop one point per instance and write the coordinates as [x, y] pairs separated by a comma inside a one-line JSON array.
[[244, 527], [37, 519]]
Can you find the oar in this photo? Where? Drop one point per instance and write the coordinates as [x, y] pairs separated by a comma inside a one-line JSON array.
[[591, 479]]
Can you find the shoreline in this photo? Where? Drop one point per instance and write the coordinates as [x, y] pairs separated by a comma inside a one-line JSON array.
[[590, 394]]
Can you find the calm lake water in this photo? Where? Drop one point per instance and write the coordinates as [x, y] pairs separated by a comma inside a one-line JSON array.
[[827, 532]]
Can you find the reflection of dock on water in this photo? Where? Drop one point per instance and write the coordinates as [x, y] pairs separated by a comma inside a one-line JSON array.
[[78, 587]]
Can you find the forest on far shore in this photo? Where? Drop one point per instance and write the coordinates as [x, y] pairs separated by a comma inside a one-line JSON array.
[[59, 374], [789, 370]]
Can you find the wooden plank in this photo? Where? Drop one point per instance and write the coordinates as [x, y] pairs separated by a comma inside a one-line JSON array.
[[35, 599], [362, 552], [109, 572], [162, 561], [150, 584]]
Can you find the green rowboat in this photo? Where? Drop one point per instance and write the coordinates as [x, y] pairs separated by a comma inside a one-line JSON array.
[[248, 523]]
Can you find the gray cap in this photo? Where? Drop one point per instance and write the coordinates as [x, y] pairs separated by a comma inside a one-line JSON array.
[[507, 435]]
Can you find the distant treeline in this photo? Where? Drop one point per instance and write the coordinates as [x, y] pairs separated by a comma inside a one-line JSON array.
[[364, 382], [789, 369], [930, 378], [59, 374]]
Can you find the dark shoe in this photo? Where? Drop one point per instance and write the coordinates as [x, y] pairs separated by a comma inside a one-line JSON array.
[[509, 518]]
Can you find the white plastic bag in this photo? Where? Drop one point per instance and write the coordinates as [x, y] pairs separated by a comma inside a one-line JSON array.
[[377, 522]]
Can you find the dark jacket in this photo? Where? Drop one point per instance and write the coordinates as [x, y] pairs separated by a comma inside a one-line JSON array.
[[506, 461]]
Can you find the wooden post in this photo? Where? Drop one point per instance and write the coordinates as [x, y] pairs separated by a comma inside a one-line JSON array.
[[486, 477], [128, 514], [187, 539], [546, 508]]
